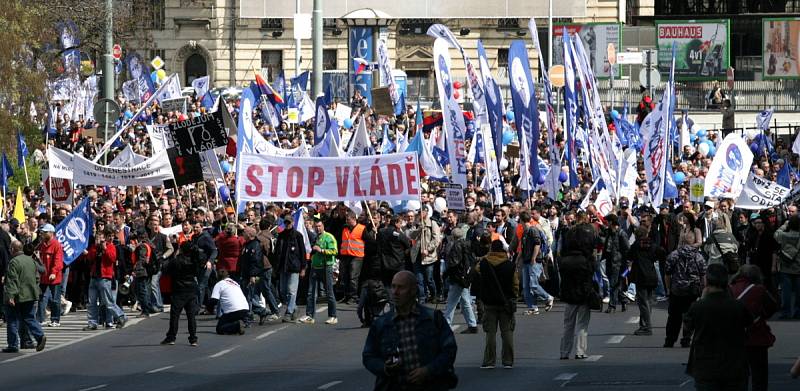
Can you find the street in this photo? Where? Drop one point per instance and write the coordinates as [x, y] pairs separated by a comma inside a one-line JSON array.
[[282, 356]]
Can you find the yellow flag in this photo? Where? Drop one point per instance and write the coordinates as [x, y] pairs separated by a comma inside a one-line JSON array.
[[19, 207]]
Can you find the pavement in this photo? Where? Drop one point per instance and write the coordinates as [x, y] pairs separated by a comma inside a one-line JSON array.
[[283, 356]]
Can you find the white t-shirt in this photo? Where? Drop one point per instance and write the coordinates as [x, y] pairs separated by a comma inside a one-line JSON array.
[[230, 296]]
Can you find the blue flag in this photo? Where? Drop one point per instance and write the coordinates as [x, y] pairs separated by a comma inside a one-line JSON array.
[[400, 107], [5, 172], [74, 231], [208, 101], [387, 146], [279, 85], [50, 124], [494, 103], [22, 150], [328, 94], [299, 84], [783, 176], [526, 110], [571, 105]]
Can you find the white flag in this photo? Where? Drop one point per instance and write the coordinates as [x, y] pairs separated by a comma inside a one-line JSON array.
[[200, 86]]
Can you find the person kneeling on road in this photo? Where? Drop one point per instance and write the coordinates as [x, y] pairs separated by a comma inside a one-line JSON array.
[[232, 303]]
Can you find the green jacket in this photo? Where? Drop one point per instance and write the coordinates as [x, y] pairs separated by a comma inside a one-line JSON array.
[[22, 280], [326, 257]]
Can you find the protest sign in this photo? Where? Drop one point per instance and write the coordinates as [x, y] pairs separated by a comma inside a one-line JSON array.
[[760, 193], [696, 187], [454, 195], [199, 134]]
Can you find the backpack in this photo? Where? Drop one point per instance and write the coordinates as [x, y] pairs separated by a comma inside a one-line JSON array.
[[544, 248], [460, 260]]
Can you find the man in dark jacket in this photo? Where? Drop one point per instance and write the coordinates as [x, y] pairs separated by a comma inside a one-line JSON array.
[[267, 241], [615, 246], [499, 284], [460, 260], [207, 252], [643, 255], [251, 267], [577, 268], [684, 272], [410, 347], [19, 296], [393, 247], [290, 256], [183, 269], [718, 357], [162, 247]]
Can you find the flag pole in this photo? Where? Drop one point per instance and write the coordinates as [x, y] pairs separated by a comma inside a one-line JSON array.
[[25, 168]]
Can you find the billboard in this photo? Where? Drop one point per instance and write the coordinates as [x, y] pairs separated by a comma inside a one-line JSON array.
[[361, 46], [702, 48], [595, 37], [780, 44]]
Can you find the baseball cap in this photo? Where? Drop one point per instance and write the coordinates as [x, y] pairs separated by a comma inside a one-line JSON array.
[[47, 228], [710, 204]]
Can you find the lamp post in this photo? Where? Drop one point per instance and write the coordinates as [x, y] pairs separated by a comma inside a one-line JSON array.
[[363, 33]]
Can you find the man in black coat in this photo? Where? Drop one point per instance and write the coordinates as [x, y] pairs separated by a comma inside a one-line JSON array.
[[643, 255], [183, 269], [393, 247], [290, 256], [251, 267], [718, 357], [207, 252]]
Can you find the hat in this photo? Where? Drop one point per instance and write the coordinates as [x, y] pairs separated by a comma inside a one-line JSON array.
[[288, 219], [663, 205], [229, 210], [47, 228], [624, 204], [710, 204], [14, 222], [755, 216]]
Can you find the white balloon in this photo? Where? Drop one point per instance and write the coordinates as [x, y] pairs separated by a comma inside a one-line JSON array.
[[440, 205], [703, 148], [751, 133], [413, 205], [503, 164]]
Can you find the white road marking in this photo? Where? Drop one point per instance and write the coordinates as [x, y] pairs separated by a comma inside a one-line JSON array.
[[455, 328], [615, 339], [222, 353], [565, 376], [593, 357], [632, 320], [268, 333], [329, 385], [685, 383], [161, 369], [94, 388], [321, 309]]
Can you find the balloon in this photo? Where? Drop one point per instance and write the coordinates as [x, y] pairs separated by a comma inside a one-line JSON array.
[[692, 138], [703, 148], [702, 139], [503, 164], [161, 74], [348, 123], [712, 151], [456, 94], [702, 133], [541, 180], [508, 137], [562, 177], [751, 133], [614, 114], [128, 114], [154, 77], [457, 85], [413, 205], [679, 178], [509, 116], [754, 148], [710, 143], [224, 193], [225, 166], [440, 205]]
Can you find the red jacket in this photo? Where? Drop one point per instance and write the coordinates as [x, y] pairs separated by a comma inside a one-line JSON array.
[[762, 305], [52, 256], [229, 247], [104, 267]]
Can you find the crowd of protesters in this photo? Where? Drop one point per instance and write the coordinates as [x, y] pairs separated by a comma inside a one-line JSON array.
[[532, 247]]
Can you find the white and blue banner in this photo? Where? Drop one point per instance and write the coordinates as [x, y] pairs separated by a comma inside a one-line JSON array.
[[571, 109], [474, 83], [494, 103], [453, 118], [323, 120], [68, 37], [361, 46], [139, 70], [170, 89], [74, 231], [551, 183], [526, 110], [386, 72], [269, 113], [730, 168], [201, 85], [763, 119]]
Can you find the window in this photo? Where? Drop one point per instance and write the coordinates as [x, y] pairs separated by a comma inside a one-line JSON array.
[[329, 60], [507, 24], [272, 24], [416, 26], [418, 83], [502, 58], [272, 61], [158, 15]]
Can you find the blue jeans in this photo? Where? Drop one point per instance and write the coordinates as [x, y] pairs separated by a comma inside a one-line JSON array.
[[458, 294], [660, 291], [424, 280], [289, 283], [26, 313], [51, 296], [317, 278], [100, 289], [64, 280], [262, 287], [603, 278], [143, 295], [790, 287], [155, 292], [202, 286], [530, 284]]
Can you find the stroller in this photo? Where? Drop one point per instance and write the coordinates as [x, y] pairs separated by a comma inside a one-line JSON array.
[[372, 302]]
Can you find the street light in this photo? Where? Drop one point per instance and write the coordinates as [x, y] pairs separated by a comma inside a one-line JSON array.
[[365, 18]]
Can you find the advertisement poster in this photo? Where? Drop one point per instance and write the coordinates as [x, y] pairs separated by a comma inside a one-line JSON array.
[[703, 51], [595, 37], [781, 42]]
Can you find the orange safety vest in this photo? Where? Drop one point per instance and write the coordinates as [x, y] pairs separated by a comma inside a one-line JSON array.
[[353, 242], [134, 256]]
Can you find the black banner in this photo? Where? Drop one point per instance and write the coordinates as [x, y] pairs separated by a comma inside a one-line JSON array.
[[187, 169], [199, 134]]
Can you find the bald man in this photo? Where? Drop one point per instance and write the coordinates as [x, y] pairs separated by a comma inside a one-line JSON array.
[[422, 348]]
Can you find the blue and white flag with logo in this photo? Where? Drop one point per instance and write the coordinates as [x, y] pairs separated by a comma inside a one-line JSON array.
[[453, 117], [323, 121], [526, 110], [494, 103], [763, 119], [74, 231], [571, 105], [729, 169], [200, 85]]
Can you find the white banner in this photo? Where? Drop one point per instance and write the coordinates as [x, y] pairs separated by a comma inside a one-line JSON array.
[[127, 158], [392, 177], [59, 163], [386, 72], [453, 123], [152, 172], [760, 193], [729, 169], [200, 86]]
